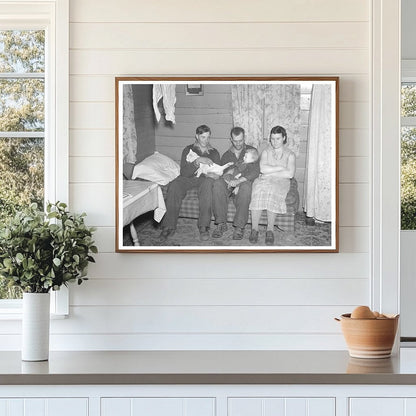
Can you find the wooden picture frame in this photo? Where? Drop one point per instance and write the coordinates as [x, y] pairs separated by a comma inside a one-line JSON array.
[[158, 123]]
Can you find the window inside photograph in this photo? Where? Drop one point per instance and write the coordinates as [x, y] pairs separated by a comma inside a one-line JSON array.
[[22, 124]]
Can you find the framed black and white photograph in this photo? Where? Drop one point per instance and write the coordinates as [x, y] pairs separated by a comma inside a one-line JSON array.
[[235, 164]]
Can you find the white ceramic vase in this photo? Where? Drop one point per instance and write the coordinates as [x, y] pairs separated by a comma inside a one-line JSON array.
[[35, 326]]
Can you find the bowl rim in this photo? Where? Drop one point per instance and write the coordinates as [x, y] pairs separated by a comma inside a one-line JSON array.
[[347, 316]]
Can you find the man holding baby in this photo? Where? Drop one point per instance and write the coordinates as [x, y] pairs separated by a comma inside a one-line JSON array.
[[187, 179], [236, 183]]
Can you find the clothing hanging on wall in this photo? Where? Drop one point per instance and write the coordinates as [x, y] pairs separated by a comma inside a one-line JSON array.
[[168, 93]]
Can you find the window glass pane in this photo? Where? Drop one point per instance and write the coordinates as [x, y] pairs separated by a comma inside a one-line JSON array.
[[408, 178], [408, 93], [21, 173], [21, 182], [22, 96], [22, 51], [22, 104]]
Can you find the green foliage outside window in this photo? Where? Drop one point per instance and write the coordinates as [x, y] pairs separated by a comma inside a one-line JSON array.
[[408, 160], [21, 110], [408, 179], [408, 104]]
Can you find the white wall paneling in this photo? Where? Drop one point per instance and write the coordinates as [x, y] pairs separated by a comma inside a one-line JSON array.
[[105, 236], [218, 35], [91, 169], [92, 143], [353, 201], [182, 11], [91, 88], [220, 291], [296, 61], [353, 170], [137, 301], [98, 115], [351, 142], [199, 320], [354, 265], [96, 199]]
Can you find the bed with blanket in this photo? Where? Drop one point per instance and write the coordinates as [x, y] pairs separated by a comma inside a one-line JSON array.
[[139, 197], [161, 169]]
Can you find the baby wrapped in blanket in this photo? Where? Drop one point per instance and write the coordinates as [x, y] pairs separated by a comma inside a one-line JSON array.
[[204, 168]]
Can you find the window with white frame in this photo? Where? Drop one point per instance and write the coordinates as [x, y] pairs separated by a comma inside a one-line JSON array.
[[408, 148], [33, 113], [22, 125]]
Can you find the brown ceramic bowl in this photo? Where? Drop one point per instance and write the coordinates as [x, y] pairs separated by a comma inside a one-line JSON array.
[[369, 338], [369, 366]]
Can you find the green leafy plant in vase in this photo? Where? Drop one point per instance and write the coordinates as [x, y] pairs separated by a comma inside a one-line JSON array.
[[41, 251]]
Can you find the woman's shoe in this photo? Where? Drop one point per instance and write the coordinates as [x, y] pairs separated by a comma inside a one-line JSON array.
[[254, 236], [269, 238]]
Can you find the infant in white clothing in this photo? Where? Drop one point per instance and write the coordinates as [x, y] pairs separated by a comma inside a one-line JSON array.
[[204, 168]]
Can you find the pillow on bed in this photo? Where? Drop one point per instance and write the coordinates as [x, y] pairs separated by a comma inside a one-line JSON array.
[[156, 168]]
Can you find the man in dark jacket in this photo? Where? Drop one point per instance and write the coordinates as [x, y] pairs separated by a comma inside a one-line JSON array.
[[186, 180], [222, 192]]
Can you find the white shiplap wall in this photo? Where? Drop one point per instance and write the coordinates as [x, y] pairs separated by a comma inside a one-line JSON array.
[[174, 301]]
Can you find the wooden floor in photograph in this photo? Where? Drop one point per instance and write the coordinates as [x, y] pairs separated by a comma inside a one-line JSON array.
[[187, 234]]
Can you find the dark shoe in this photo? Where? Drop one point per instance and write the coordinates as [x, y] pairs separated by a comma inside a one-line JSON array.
[[203, 233], [220, 229], [254, 236], [310, 221], [269, 238], [238, 233], [166, 233]]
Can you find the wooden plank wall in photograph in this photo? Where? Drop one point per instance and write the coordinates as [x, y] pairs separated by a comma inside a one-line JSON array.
[[214, 108]]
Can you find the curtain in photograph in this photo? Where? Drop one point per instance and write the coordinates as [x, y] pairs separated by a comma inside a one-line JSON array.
[[129, 126], [248, 111], [282, 108], [317, 190], [259, 107]]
